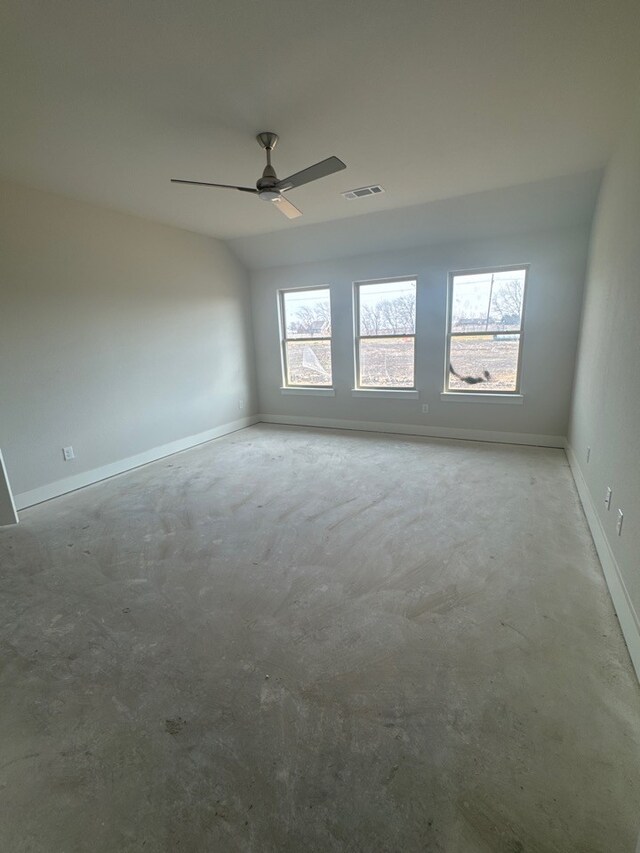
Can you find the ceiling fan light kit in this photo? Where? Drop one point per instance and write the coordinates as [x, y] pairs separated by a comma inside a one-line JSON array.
[[268, 187]]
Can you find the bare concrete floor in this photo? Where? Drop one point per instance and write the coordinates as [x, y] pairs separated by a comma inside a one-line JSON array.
[[296, 640]]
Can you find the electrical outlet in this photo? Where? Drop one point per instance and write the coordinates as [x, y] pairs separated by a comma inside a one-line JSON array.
[[607, 498], [588, 454], [68, 454], [619, 522], [425, 408], [241, 403]]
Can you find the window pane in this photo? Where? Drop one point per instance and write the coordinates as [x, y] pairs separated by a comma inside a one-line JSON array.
[[308, 362], [386, 362], [388, 308], [487, 301], [472, 355], [307, 313]]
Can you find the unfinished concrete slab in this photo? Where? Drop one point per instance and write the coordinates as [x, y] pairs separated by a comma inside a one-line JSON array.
[[303, 640]]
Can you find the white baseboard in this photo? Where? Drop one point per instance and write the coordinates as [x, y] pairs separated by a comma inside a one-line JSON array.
[[425, 431], [622, 603], [86, 478]]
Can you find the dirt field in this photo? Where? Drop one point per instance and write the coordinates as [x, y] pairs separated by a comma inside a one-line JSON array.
[[309, 363], [472, 356], [388, 363]]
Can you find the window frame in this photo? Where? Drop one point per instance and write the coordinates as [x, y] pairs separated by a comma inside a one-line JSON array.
[[286, 385], [474, 390], [357, 337]]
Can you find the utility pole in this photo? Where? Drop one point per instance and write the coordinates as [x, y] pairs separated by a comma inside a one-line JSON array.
[[486, 325]]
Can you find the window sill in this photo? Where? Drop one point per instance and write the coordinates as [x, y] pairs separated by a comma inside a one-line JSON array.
[[390, 393], [311, 392], [486, 397]]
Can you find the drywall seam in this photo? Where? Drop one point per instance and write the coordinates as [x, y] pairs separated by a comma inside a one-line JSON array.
[[413, 429], [627, 616], [8, 514], [87, 478]]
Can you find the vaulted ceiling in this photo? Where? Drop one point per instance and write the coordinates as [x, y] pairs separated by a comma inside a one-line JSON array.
[[106, 101]]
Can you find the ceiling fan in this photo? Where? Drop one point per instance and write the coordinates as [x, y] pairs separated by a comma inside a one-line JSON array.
[[269, 188]]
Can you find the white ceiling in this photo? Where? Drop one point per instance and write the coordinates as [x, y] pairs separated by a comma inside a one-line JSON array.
[[549, 205], [105, 100]]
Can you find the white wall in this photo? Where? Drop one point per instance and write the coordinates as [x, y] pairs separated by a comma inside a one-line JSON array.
[[554, 296], [117, 335], [606, 404]]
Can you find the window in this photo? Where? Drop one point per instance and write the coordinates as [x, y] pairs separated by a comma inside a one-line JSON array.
[[484, 341], [385, 314], [305, 321]]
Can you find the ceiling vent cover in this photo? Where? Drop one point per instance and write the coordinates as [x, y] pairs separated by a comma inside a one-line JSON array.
[[361, 192]]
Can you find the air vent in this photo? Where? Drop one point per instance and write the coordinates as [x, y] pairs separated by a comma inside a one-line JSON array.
[[361, 192]]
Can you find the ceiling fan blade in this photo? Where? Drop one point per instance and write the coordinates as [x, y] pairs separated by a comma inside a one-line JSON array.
[[225, 186], [284, 206], [312, 173]]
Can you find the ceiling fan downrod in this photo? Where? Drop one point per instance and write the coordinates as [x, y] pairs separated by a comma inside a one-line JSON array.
[[266, 184]]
